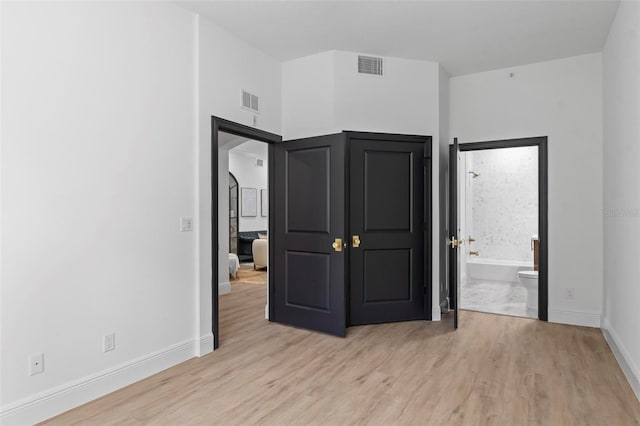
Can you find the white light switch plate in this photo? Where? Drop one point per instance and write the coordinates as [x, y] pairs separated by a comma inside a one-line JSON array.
[[186, 224], [109, 342]]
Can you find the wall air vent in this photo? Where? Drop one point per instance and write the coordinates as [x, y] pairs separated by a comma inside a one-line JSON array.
[[259, 162], [250, 101], [369, 65]]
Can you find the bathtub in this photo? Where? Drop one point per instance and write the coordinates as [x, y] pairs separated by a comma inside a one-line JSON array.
[[496, 270]]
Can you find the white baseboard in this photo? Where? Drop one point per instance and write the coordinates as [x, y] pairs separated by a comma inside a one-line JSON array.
[[573, 317], [629, 368], [224, 288], [205, 345], [62, 398], [266, 311], [436, 314]]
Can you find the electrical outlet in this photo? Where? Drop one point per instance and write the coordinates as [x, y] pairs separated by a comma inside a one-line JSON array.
[[36, 364], [109, 342], [186, 224], [570, 293]]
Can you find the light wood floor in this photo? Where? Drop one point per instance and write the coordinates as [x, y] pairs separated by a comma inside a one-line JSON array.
[[495, 370], [247, 274]]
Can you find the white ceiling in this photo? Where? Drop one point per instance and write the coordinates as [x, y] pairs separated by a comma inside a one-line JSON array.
[[465, 36], [230, 141]]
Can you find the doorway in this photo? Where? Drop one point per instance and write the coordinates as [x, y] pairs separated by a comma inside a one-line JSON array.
[[228, 133], [498, 226]]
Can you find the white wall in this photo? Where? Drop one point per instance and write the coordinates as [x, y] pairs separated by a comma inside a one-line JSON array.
[[324, 94], [105, 144], [308, 96], [621, 86], [404, 100], [242, 163], [503, 201], [226, 66], [560, 99], [98, 150], [441, 237]]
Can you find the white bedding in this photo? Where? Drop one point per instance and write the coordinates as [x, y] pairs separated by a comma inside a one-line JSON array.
[[234, 264]]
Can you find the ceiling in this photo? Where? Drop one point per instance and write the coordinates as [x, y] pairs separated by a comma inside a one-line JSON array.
[[230, 141], [464, 36]]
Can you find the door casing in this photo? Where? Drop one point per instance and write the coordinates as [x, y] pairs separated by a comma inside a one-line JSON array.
[[543, 208], [221, 125]]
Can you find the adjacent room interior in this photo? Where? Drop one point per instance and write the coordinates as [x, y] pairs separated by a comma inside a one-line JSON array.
[[247, 220]]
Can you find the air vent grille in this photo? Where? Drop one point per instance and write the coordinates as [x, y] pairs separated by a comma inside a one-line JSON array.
[[259, 162], [250, 101], [369, 65]]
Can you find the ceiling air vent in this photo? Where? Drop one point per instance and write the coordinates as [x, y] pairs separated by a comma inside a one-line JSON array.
[[250, 101], [369, 65]]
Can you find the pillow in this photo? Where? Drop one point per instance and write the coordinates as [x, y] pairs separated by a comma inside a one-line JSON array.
[[262, 236]]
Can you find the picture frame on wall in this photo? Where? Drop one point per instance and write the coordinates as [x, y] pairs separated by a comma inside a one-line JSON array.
[[264, 205], [249, 202]]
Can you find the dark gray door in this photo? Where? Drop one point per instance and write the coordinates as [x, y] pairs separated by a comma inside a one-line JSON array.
[[454, 242], [309, 263], [387, 262]]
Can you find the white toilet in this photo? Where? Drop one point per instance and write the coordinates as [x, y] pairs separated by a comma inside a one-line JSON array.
[[529, 280]]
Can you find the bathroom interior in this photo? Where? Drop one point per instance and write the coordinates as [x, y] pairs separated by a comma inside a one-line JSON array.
[[498, 205]]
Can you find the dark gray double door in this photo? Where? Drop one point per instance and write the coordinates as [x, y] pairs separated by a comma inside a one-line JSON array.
[[350, 234]]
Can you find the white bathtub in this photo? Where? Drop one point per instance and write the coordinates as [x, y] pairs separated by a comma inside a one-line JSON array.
[[496, 270]]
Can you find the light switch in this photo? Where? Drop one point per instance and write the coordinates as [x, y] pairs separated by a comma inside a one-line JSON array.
[[186, 224]]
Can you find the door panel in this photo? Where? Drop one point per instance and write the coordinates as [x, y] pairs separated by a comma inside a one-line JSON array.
[[382, 267], [390, 188], [386, 213], [309, 274], [308, 173]]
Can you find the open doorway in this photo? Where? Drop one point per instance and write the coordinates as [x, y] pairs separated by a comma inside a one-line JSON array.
[[242, 301], [240, 189], [248, 211], [498, 203]]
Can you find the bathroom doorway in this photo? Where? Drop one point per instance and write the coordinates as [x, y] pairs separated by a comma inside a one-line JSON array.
[[499, 264]]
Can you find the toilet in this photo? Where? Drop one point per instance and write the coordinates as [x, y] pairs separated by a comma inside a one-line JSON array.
[[529, 280]]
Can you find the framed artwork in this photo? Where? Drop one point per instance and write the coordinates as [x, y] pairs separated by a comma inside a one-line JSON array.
[[249, 199], [264, 207]]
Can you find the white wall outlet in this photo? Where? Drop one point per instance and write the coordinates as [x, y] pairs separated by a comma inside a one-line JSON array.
[[109, 342], [36, 364], [570, 293], [186, 224]]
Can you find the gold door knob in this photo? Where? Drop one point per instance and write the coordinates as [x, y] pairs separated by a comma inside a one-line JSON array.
[[337, 244], [454, 243], [355, 241]]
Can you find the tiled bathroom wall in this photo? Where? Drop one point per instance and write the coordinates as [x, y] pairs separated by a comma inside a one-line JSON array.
[[502, 202]]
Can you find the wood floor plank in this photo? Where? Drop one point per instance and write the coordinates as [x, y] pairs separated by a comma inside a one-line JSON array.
[[494, 370]]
